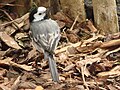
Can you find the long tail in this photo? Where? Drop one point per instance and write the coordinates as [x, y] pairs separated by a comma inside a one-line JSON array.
[[53, 68]]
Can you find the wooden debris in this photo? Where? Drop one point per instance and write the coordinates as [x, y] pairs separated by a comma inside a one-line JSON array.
[[39, 88], [69, 67], [111, 43], [16, 84], [91, 63], [8, 62], [22, 19], [65, 48], [91, 26], [9, 40], [114, 72]]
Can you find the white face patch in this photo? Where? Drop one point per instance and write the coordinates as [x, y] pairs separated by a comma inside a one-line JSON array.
[[41, 12], [41, 9]]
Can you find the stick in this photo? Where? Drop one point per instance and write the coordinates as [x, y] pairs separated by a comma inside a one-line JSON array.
[[16, 84], [22, 18], [10, 18], [65, 48], [74, 23]]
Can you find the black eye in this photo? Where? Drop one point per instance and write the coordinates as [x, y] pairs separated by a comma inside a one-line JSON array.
[[40, 13]]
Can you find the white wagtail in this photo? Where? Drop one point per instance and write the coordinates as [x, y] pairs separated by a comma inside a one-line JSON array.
[[45, 36]]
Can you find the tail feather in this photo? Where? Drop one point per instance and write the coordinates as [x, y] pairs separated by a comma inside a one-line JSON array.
[[53, 68]]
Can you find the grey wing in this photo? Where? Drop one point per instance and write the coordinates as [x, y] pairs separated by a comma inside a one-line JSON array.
[[46, 35], [38, 37], [54, 36], [54, 41]]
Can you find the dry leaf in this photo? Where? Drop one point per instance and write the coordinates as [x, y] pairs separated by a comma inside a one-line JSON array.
[[10, 30], [73, 38], [113, 51], [62, 17], [111, 43], [61, 24], [20, 38], [114, 72], [39, 88], [26, 25], [9, 40], [8, 61], [3, 87], [72, 50], [27, 84], [31, 54], [111, 87], [16, 83], [65, 48], [88, 60], [21, 21], [109, 73], [80, 87], [63, 56], [61, 78], [21, 24], [91, 26], [84, 70], [69, 67]]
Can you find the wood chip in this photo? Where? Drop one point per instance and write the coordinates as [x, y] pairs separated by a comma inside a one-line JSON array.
[[9, 40]]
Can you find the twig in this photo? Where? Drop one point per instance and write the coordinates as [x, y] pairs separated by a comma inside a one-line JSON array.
[[91, 26], [78, 44], [10, 18], [82, 70], [113, 51], [74, 23], [65, 35], [95, 81], [8, 62], [65, 48], [16, 84], [8, 4], [4, 24], [25, 17]]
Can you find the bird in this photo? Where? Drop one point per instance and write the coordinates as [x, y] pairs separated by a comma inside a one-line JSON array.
[[45, 34]]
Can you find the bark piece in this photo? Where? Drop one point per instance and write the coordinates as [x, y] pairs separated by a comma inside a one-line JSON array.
[[105, 15], [9, 40], [111, 43], [74, 8]]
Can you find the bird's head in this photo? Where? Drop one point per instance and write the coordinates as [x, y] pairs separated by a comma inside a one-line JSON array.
[[38, 14]]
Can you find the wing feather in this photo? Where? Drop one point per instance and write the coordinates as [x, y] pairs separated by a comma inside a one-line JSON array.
[[46, 34]]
